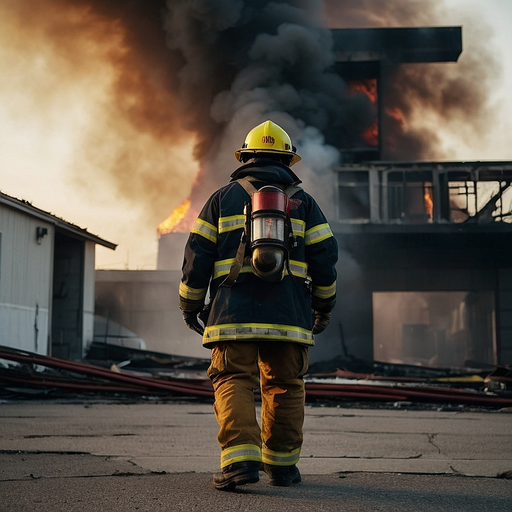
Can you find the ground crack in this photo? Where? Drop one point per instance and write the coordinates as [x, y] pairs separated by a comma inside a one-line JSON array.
[[431, 438]]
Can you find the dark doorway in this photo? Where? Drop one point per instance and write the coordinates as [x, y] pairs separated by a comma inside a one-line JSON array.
[[68, 271]]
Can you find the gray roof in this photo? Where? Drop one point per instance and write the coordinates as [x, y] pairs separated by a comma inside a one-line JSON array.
[[60, 224]]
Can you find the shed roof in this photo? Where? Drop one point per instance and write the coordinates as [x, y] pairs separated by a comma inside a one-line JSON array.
[[60, 224]]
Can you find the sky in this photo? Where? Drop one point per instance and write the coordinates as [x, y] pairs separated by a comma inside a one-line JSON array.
[[43, 124]]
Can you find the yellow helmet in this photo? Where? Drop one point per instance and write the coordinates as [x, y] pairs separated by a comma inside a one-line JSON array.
[[268, 137]]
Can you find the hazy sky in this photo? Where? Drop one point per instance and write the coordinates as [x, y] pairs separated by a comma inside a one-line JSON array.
[[42, 124]]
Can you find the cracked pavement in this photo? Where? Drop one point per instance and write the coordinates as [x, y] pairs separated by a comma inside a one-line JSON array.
[[62, 441]]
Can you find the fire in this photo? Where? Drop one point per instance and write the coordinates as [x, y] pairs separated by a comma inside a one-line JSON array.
[[370, 135], [397, 115], [369, 87], [177, 216], [429, 202]]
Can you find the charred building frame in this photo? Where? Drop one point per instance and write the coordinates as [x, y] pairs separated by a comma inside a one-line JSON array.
[[425, 270]]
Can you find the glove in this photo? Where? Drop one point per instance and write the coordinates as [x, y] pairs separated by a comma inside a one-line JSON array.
[[192, 321], [321, 321]]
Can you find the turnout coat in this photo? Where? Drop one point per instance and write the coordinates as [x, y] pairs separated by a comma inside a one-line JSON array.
[[254, 309]]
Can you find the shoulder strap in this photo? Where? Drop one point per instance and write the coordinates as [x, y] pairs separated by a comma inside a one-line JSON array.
[[247, 184], [291, 190]]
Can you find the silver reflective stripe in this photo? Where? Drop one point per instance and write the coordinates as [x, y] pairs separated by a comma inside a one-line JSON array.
[[191, 293], [203, 228], [280, 458], [317, 234], [231, 223], [324, 292], [299, 268], [298, 227], [226, 332], [240, 453], [222, 267]]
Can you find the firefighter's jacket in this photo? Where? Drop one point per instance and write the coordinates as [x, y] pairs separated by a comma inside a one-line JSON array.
[[254, 309]]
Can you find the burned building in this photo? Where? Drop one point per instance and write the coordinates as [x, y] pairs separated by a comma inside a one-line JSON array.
[[425, 268], [426, 244], [429, 256]]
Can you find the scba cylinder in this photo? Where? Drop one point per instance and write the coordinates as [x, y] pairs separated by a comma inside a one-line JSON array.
[[268, 233]]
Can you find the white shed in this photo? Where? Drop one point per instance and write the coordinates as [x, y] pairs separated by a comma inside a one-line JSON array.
[[46, 281]]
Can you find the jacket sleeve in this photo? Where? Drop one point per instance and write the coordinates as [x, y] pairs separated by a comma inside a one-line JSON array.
[[321, 256], [199, 257]]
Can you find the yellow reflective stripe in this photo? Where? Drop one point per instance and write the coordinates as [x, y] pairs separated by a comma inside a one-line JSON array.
[[324, 292], [231, 223], [280, 458], [298, 227], [203, 228], [222, 268], [317, 234], [240, 453], [299, 268], [226, 332], [192, 293]]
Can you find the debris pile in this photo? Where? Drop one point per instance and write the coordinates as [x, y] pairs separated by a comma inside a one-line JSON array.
[[38, 371], [151, 373]]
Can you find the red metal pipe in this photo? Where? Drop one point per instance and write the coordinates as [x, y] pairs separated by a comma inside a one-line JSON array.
[[313, 389], [149, 382]]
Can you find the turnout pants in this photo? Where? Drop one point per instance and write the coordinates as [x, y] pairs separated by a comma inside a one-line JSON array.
[[277, 368]]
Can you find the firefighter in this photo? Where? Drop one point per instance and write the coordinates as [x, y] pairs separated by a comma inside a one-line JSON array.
[[259, 325]]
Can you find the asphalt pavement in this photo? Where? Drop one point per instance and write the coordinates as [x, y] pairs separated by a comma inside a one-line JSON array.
[[90, 454]]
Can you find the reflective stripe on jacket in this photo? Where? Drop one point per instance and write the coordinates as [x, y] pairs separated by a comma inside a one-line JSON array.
[[253, 308]]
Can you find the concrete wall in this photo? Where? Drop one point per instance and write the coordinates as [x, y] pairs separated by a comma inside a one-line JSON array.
[[146, 302], [505, 316]]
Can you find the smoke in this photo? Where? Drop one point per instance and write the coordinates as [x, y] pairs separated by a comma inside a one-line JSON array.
[[427, 103], [91, 79], [160, 94], [245, 62]]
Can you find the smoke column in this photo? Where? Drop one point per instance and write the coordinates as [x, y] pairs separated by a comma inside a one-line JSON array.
[[245, 62], [171, 88]]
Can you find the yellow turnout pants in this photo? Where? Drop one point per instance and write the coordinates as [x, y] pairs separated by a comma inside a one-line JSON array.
[[277, 368]]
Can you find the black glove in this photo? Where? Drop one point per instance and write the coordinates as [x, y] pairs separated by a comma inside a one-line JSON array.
[[192, 321], [321, 321]]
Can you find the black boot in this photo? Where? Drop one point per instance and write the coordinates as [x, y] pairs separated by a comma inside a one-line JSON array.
[[282, 476], [239, 473]]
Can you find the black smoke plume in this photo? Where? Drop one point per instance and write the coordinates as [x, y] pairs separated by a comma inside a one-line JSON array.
[[207, 71]]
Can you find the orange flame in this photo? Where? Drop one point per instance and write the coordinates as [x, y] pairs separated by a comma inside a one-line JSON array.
[[397, 115], [369, 87], [429, 202], [172, 222]]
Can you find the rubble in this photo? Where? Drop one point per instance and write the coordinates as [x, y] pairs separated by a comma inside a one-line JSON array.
[[137, 372]]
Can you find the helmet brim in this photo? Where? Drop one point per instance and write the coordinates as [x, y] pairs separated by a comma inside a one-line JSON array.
[[294, 156]]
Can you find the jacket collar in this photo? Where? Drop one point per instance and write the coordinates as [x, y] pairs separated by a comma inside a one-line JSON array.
[[267, 170]]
